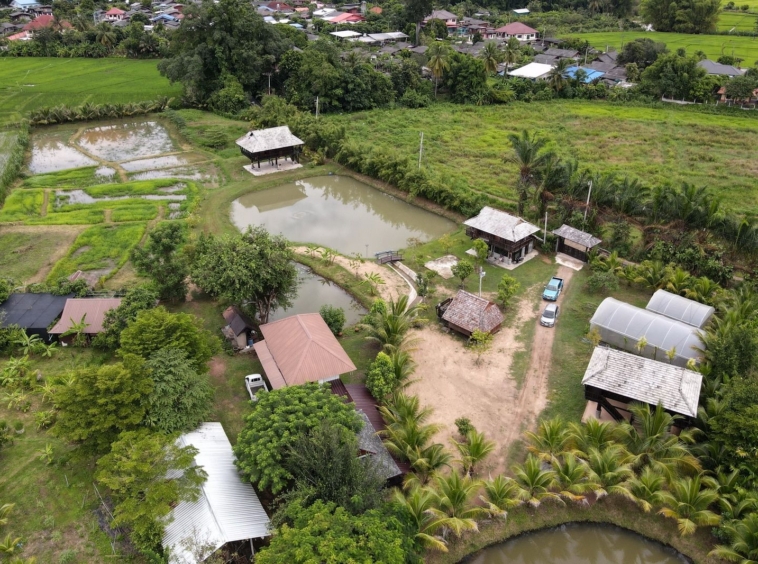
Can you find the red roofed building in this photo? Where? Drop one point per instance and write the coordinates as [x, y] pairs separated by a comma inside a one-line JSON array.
[[21, 36], [280, 7], [41, 22], [375, 10], [114, 15], [347, 18], [520, 31]]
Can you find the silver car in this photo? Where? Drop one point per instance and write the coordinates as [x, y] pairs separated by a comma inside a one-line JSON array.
[[549, 315]]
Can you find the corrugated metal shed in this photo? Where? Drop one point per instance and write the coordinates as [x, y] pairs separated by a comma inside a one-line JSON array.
[[501, 224], [680, 308], [228, 509], [93, 311], [471, 312], [268, 139], [645, 380], [303, 349], [577, 236], [531, 71]]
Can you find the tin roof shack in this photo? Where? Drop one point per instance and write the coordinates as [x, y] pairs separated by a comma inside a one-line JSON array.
[[34, 313], [88, 310], [614, 379], [239, 329], [574, 242], [228, 509], [506, 234], [299, 349], [270, 144], [466, 313]]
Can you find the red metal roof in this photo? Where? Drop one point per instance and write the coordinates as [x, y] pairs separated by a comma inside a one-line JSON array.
[[344, 18], [516, 28], [114, 12], [44, 21], [269, 365], [93, 311]]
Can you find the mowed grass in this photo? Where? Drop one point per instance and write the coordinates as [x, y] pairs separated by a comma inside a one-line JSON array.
[[738, 21], [466, 144], [100, 247], [713, 46], [28, 83]]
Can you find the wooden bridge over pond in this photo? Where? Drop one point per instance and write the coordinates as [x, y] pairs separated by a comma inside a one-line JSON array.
[[388, 256]]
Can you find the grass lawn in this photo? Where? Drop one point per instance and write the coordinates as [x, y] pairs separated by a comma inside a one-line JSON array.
[[27, 251], [27, 83], [712, 45], [739, 21], [466, 144]]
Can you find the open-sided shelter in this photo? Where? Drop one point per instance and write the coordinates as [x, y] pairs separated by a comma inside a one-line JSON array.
[[680, 308], [624, 326], [507, 235], [574, 242], [300, 349], [614, 379], [270, 145], [33, 313], [239, 329], [91, 310], [466, 313], [228, 509]]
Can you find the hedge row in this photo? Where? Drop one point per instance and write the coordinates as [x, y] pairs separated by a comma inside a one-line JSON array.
[[88, 111], [15, 161]]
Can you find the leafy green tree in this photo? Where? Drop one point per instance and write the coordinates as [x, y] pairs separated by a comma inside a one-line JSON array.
[[380, 379], [157, 329], [416, 11], [181, 396], [116, 320], [6, 287], [492, 56], [507, 287], [251, 267], [642, 52], [682, 16], [482, 251], [325, 466], [334, 317], [220, 39], [678, 77], [466, 80], [161, 259], [278, 418], [438, 56], [325, 532], [462, 270], [100, 402], [147, 474], [741, 87], [736, 425], [230, 98]]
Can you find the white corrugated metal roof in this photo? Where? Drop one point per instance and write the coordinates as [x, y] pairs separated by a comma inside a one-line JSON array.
[[532, 71], [645, 380], [228, 509], [501, 224], [680, 308]]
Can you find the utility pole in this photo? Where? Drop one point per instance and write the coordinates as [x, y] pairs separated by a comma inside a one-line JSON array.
[[420, 150], [268, 74], [482, 274], [316, 106], [588, 204], [544, 231]]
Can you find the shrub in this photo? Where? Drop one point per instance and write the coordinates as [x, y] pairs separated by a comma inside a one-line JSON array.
[[414, 99], [334, 317], [603, 282], [506, 289], [380, 379], [464, 426]]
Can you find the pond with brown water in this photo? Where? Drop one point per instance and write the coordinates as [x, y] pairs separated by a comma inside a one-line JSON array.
[[579, 544], [338, 212]]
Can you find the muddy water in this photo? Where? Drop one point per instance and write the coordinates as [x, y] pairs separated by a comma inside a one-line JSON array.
[[155, 163], [313, 291], [127, 141], [578, 544], [70, 197], [51, 154], [338, 212]]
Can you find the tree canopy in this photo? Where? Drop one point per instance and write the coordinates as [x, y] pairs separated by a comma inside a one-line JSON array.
[[682, 16], [278, 418], [161, 259], [136, 300], [642, 51], [677, 76], [253, 267]]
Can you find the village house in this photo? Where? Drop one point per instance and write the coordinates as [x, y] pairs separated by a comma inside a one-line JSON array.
[[239, 329], [33, 313], [509, 237], [114, 15], [90, 311], [270, 145], [575, 243], [718, 69], [532, 71], [450, 19], [520, 31], [466, 313]]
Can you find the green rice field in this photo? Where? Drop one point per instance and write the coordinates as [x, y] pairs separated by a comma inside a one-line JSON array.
[[28, 83], [737, 21], [712, 45], [466, 145]]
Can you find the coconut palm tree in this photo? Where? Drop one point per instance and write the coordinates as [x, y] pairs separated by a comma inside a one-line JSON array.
[[571, 476], [403, 366], [417, 504], [649, 442], [592, 434], [652, 274], [529, 155], [679, 281], [688, 501], [609, 469], [491, 56], [426, 463], [647, 489], [499, 496], [556, 78], [401, 408], [473, 451], [511, 53], [533, 483], [391, 326], [743, 537], [438, 61], [550, 440], [105, 35], [705, 291], [454, 502]]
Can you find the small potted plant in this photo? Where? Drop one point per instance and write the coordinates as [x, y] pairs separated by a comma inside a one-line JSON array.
[[19, 427]]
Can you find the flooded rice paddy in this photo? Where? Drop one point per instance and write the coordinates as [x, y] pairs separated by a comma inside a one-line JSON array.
[[578, 544], [52, 153], [338, 212], [127, 141], [313, 291]]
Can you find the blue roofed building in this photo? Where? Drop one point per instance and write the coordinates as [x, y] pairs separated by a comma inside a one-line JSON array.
[[590, 74]]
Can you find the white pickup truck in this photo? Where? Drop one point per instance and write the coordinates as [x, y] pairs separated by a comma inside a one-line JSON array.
[[254, 383]]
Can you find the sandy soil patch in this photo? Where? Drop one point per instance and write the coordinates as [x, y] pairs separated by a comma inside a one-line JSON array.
[[450, 381], [394, 286], [443, 266]]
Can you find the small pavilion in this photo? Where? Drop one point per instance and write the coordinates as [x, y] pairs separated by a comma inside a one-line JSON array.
[[574, 242], [270, 145], [467, 313]]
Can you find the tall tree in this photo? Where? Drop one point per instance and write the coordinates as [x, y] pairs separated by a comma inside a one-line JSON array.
[[137, 299], [438, 56], [162, 260], [491, 55], [416, 11], [682, 16], [529, 155], [251, 267]]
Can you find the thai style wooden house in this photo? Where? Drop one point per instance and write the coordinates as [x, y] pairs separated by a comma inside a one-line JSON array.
[[574, 242], [270, 145], [508, 236]]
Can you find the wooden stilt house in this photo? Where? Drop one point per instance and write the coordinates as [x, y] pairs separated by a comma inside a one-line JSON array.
[[270, 145]]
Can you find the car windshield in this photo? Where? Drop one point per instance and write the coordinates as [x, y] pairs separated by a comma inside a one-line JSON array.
[[549, 313], [552, 287]]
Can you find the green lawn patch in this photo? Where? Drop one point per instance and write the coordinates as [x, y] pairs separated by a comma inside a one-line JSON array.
[[27, 251], [28, 83], [738, 21], [22, 205], [75, 178], [466, 144], [101, 247]]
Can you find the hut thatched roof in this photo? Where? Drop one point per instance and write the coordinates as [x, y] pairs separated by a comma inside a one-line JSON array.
[[471, 312]]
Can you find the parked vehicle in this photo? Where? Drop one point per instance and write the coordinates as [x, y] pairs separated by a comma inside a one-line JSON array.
[[553, 289], [254, 383], [550, 315]]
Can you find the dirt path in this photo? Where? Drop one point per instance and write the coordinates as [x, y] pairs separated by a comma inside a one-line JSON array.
[[532, 398], [45, 201], [394, 286]]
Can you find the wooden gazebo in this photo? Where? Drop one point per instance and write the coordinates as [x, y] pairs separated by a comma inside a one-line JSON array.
[[574, 242], [466, 313], [270, 145]]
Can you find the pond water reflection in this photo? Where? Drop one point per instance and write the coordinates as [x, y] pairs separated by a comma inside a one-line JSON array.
[[338, 212]]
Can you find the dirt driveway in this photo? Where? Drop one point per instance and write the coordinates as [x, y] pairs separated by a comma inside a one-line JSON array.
[[450, 381]]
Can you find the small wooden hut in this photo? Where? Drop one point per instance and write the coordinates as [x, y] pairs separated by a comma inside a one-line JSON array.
[[508, 236], [574, 242], [466, 313], [270, 145]]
